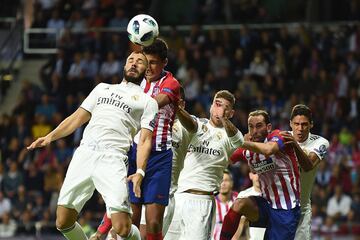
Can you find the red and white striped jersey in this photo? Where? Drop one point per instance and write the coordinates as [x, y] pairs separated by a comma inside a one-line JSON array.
[[169, 86], [278, 174], [221, 210]]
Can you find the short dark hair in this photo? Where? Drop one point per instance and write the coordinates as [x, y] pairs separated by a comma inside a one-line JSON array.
[[263, 113], [226, 171], [301, 109], [225, 94], [158, 47]]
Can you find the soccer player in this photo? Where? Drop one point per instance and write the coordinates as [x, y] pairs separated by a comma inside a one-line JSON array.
[[276, 164], [212, 142], [223, 200], [115, 114], [180, 142], [310, 150], [165, 89]]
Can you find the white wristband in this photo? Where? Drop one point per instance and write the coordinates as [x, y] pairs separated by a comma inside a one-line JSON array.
[[141, 172]]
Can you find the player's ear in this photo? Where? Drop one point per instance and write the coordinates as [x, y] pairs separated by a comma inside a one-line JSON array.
[[166, 61], [269, 127], [231, 113]]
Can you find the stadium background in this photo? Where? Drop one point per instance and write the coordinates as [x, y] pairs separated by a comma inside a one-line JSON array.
[[271, 54]]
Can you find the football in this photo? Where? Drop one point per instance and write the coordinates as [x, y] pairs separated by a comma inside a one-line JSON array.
[[142, 29]]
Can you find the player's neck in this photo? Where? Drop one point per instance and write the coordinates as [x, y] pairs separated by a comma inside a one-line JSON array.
[[225, 197]]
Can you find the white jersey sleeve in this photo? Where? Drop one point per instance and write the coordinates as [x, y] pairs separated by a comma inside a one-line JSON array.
[[149, 116], [90, 101], [317, 145]]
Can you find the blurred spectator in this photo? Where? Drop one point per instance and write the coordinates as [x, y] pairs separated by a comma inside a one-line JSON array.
[[338, 207], [20, 202], [5, 205], [110, 67], [7, 226], [40, 128], [26, 226], [119, 20], [63, 153], [45, 108], [259, 67], [55, 22], [12, 180]]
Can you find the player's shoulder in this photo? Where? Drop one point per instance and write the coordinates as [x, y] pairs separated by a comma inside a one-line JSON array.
[[317, 139], [103, 86], [274, 134], [170, 79]]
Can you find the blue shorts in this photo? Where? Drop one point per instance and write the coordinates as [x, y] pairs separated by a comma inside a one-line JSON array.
[[156, 183], [280, 224]]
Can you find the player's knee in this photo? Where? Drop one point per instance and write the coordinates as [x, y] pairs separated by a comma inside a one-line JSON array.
[[62, 223], [122, 228], [154, 225]]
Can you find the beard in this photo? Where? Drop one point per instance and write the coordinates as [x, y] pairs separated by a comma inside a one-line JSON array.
[[136, 80]]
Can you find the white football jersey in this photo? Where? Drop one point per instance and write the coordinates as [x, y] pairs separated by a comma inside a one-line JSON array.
[[180, 142], [118, 111], [208, 155], [319, 146]]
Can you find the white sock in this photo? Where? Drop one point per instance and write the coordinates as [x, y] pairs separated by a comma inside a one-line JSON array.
[[74, 233], [134, 234]]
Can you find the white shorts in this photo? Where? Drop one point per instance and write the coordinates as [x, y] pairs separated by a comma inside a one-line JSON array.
[[168, 215], [174, 226], [196, 215], [303, 231], [89, 170]]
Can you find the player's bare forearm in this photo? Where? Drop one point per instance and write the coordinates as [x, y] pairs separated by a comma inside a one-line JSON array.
[[307, 161], [187, 121], [65, 128], [162, 100], [143, 148], [267, 149], [70, 124], [230, 128]]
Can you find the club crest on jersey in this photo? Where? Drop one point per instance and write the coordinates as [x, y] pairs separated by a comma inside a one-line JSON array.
[[219, 136], [156, 91], [135, 97], [204, 128]]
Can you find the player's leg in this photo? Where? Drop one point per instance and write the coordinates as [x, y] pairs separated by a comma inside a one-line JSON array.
[[303, 230], [174, 229], [110, 179], [154, 219], [197, 216], [76, 190], [247, 207], [155, 191], [283, 223], [168, 214], [143, 223]]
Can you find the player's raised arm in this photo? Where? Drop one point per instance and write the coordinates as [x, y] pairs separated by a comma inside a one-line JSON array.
[[267, 148], [306, 161], [187, 120], [65, 128]]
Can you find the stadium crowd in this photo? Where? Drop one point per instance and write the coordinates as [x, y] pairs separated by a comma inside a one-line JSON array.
[[272, 69]]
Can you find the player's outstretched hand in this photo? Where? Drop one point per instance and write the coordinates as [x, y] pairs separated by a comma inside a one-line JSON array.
[[137, 180], [288, 138], [40, 142]]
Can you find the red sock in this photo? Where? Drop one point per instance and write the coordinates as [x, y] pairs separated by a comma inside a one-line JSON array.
[[230, 225], [154, 236], [105, 225]]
